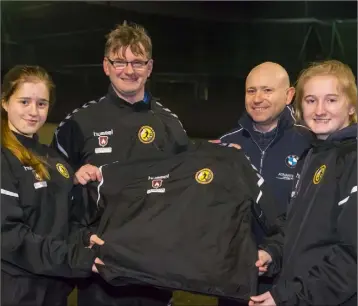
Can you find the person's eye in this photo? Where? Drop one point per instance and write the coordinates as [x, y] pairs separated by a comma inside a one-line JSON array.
[[43, 104], [24, 102], [137, 64], [119, 63]]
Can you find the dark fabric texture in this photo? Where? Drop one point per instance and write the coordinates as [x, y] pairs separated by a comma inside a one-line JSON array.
[[320, 251], [164, 228], [37, 246]]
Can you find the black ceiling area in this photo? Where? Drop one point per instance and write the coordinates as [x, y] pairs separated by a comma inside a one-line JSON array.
[[202, 50]]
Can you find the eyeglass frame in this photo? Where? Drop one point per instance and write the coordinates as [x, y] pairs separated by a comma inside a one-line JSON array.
[[112, 62]]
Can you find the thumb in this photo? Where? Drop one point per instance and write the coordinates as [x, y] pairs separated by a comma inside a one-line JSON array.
[[258, 298], [215, 141], [99, 175], [98, 261], [96, 240]]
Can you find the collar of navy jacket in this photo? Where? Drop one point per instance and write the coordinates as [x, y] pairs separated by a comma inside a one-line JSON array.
[[286, 120], [277, 162]]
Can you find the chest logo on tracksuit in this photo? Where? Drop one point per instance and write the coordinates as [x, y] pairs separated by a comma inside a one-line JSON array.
[[291, 161], [157, 183], [146, 134], [204, 176], [319, 174], [102, 140], [62, 169]]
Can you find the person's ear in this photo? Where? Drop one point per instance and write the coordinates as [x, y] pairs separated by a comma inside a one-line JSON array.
[[290, 92]]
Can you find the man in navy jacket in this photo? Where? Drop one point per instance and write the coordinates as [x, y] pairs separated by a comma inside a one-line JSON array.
[[268, 134]]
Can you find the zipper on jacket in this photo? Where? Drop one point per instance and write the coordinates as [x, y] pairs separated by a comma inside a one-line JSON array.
[[262, 151], [262, 160]]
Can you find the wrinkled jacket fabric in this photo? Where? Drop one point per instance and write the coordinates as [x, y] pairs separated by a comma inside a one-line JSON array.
[[184, 222]]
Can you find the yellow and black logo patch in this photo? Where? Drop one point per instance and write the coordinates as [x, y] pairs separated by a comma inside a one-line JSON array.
[[204, 176], [62, 169], [146, 134], [319, 174]]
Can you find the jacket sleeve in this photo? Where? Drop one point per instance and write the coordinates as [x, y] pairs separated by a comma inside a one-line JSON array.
[[265, 209], [273, 244], [265, 212], [68, 141], [274, 223], [84, 216], [333, 280], [37, 254]]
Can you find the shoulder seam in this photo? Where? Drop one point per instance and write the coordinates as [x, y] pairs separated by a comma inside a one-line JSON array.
[[171, 113], [85, 105]]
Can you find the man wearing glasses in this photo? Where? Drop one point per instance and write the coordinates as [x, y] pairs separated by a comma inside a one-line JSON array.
[[125, 125]]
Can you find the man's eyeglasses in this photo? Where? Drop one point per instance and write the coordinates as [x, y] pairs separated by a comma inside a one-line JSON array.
[[120, 64]]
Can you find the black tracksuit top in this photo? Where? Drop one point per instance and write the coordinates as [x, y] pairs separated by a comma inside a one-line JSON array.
[[320, 250], [112, 129], [35, 227]]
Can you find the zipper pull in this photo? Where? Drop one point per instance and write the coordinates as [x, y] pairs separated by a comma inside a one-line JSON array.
[[262, 161]]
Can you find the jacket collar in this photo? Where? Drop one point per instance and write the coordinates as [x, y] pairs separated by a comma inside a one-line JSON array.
[[285, 121], [347, 134], [145, 104], [344, 134], [27, 142]]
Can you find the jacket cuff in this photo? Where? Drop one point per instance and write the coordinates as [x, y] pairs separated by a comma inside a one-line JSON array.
[[82, 257], [274, 251], [285, 293]]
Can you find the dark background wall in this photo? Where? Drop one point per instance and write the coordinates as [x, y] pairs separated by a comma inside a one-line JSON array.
[[202, 50]]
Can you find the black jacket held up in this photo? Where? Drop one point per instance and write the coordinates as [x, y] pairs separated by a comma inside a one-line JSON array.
[[184, 222]]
